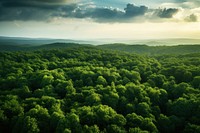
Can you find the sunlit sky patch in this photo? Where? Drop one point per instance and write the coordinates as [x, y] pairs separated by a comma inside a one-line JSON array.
[[95, 19]]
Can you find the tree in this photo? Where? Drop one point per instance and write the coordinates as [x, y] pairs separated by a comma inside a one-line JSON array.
[[93, 99], [148, 125], [101, 81], [196, 82], [12, 107], [42, 116], [134, 92], [70, 88], [135, 77], [158, 97], [103, 115], [47, 80], [119, 120], [86, 115], [165, 125], [54, 120], [137, 130], [121, 90], [64, 87], [115, 129], [156, 80], [110, 99], [74, 122], [63, 124], [91, 129], [133, 120], [179, 90], [26, 125], [192, 128], [4, 122]]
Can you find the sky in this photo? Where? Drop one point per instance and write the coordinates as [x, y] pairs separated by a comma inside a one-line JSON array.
[[100, 19]]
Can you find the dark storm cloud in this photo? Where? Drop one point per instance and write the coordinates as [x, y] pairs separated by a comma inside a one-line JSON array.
[[28, 5], [48, 9], [132, 10], [166, 13], [39, 1], [108, 14], [105, 14], [45, 10], [38, 10], [43, 4]]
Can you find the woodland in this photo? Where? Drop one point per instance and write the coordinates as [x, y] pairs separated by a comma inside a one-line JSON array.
[[86, 89]]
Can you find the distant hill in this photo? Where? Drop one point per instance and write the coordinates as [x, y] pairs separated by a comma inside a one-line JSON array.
[[21, 44], [138, 49], [11, 48], [153, 50], [150, 42], [61, 46], [155, 47], [38, 41], [162, 42], [40, 47]]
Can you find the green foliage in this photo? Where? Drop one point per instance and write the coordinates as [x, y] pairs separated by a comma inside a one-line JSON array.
[[192, 128], [26, 125], [11, 106], [101, 81], [91, 129], [85, 89], [196, 82]]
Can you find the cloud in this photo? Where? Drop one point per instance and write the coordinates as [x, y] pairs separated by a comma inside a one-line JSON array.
[[107, 14], [45, 4], [39, 1], [166, 13], [24, 14], [46, 10], [191, 18], [37, 10], [22, 4], [132, 10], [182, 1], [187, 3]]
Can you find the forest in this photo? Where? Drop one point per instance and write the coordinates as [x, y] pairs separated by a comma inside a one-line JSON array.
[[87, 89]]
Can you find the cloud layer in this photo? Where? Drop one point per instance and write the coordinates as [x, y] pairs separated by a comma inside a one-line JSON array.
[[45, 10], [167, 13]]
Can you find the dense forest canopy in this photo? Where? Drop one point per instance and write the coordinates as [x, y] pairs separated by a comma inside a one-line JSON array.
[[91, 90]]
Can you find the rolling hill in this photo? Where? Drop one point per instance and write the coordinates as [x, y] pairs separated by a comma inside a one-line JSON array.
[[27, 44]]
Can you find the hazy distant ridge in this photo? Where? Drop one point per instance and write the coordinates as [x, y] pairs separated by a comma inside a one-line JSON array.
[[26, 44], [150, 42]]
